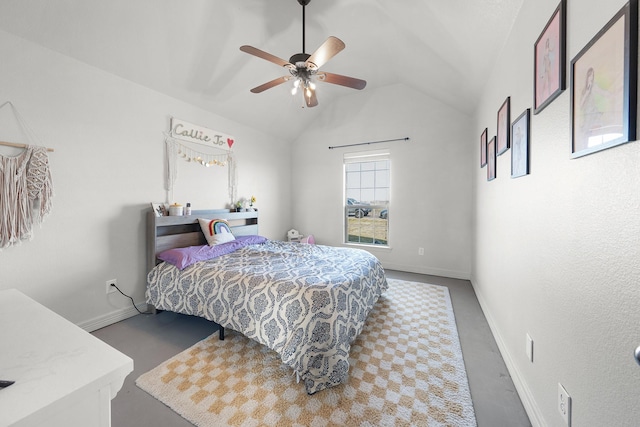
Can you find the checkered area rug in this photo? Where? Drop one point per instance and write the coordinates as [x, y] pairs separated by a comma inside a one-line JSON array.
[[406, 370]]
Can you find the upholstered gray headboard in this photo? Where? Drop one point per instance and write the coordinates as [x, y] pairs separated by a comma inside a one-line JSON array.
[[168, 232]]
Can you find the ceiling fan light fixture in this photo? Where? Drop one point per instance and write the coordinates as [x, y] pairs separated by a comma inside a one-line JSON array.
[[303, 67]]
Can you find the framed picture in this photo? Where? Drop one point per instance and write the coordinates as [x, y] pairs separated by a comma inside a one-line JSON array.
[[491, 159], [604, 84], [483, 149], [520, 134], [504, 121], [159, 209], [549, 51]]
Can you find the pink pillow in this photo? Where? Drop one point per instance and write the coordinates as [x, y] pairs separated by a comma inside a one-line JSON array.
[[309, 239]]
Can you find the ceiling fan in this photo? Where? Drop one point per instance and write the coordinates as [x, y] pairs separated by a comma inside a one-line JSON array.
[[304, 68]]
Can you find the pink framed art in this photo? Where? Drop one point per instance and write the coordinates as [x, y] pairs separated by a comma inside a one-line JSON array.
[[549, 78]]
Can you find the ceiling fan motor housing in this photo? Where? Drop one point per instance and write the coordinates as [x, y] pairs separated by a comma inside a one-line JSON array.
[[299, 58]]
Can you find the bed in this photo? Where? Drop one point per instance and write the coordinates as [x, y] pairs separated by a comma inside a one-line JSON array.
[[306, 302]]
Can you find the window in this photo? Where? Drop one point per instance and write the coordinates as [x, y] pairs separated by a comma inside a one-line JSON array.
[[366, 203]]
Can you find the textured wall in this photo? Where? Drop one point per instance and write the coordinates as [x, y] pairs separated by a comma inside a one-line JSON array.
[[430, 176], [107, 167], [556, 253]]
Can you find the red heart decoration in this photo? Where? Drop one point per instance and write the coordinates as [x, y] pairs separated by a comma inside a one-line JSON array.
[[230, 142]]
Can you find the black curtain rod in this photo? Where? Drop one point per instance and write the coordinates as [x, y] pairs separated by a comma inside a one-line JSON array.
[[370, 142]]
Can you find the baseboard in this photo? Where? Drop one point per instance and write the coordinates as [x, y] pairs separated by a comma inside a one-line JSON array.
[[464, 275], [528, 401], [111, 318]]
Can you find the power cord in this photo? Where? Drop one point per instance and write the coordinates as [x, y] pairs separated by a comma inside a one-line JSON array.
[[132, 301]]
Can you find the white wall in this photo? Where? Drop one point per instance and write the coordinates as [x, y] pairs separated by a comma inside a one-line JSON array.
[[107, 167], [556, 253], [430, 177]]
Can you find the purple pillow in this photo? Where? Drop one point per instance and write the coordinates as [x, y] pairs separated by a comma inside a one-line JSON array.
[[184, 257]]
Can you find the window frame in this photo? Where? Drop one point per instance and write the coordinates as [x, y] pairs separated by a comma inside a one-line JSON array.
[[366, 157]]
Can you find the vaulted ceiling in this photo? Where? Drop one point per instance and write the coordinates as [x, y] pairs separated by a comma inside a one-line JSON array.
[[190, 49]]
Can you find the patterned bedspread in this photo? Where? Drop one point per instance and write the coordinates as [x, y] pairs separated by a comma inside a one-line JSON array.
[[306, 302]]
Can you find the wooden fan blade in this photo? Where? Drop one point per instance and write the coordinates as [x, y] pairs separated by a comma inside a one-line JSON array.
[[338, 79], [264, 55], [269, 85], [312, 100], [330, 48]]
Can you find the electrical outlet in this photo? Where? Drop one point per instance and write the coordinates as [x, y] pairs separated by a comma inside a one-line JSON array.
[[530, 348], [111, 289], [420, 251], [564, 405]]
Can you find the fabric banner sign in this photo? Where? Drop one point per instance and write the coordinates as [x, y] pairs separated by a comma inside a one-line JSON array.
[[177, 143], [201, 135]]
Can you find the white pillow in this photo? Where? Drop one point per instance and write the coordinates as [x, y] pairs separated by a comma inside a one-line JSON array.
[[216, 231]]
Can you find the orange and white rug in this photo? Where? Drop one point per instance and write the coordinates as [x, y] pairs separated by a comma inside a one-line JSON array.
[[406, 370]]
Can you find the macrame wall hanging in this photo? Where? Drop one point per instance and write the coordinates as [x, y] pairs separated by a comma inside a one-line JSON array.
[[217, 152], [26, 187]]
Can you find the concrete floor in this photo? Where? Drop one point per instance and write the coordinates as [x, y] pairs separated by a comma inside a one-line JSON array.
[[152, 339]]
